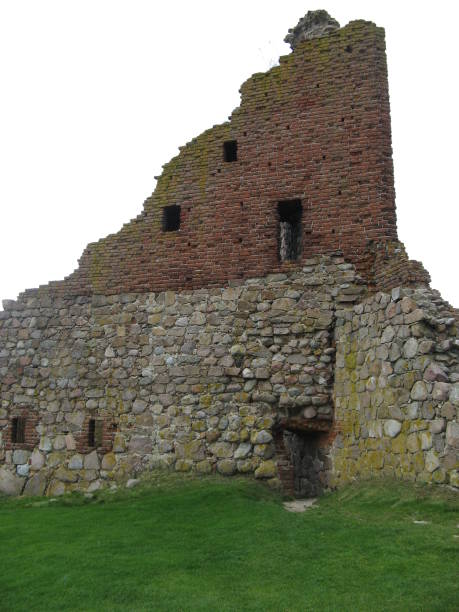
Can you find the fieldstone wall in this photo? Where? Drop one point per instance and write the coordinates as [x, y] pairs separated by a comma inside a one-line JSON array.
[[195, 380], [242, 379], [397, 389]]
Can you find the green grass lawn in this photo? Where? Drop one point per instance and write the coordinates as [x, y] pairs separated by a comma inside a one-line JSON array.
[[215, 544]]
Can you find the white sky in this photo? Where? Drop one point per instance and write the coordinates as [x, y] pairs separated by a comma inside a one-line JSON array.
[[97, 94]]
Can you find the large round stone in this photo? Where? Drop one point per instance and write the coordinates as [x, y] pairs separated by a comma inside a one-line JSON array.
[[454, 394], [20, 456], [432, 461], [388, 334], [452, 434], [76, 462], [91, 461], [139, 406], [261, 437], [392, 428], [410, 348], [242, 450], [10, 484], [23, 470], [65, 475], [227, 467], [204, 467], [267, 469], [36, 485], [59, 442], [222, 450], [109, 461], [440, 391], [37, 460], [435, 372], [419, 392]]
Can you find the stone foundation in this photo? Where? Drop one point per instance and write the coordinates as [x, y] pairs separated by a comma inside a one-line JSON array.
[[194, 380], [111, 387]]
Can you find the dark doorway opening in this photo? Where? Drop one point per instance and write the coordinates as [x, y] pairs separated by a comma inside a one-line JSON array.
[[309, 460], [302, 453]]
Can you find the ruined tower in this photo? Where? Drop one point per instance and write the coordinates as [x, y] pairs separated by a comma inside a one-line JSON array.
[[259, 316]]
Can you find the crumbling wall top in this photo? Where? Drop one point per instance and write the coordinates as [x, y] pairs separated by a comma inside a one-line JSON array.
[[313, 25]]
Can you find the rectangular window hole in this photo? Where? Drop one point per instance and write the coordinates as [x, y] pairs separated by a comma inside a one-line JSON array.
[[289, 229], [171, 218], [92, 432], [95, 433], [230, 151], [18, 430]]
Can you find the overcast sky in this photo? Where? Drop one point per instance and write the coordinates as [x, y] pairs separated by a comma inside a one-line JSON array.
[[98, 94]]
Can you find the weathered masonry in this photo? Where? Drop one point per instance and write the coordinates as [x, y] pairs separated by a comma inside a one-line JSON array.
[[259, 316]]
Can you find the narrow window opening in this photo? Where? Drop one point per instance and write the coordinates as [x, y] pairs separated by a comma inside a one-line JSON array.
[[289, 229], [18, 430], [92, 432], [230, 151], [349, 49], [171, 218], [95, 433]]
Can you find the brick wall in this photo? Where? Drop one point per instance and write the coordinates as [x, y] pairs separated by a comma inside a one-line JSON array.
[[103, 435], [315, 128]]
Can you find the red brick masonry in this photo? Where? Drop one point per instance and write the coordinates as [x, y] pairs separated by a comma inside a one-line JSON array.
[[315, 128]]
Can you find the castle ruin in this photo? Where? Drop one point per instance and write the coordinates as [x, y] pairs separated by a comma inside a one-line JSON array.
[[260, 315]]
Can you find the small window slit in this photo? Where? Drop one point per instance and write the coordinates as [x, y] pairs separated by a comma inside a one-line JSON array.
[[230, 151], [18, 430]]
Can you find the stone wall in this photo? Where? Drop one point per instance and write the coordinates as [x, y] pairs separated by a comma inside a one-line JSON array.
[[397, 389], [195, 380], [241, 379]]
